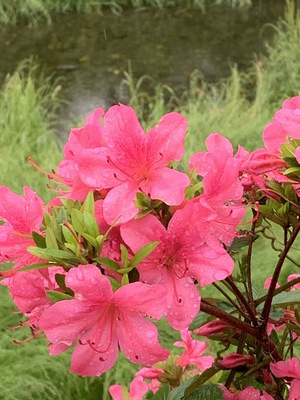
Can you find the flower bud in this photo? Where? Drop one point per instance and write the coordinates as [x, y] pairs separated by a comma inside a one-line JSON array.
[[235, 360]]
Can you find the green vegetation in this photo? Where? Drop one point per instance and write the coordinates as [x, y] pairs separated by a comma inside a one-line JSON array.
[[35, 10], [28, 109], [237, 107]]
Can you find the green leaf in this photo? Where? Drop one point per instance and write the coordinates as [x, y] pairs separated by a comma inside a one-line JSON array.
[[162, 394], [178, 393], [90, 224], [200, 319], [292, 171], [68, 204], [143, 213], [90, 239], [69, 237], [77, 220], [55, 296], [39, 240], [89, 204], [125, 280], [200, 380], [284, 299], [50, 254], [108, 262], [37, 266], [61, 281], [114, 283], [124, 255], [142, 254], [240, 242], [206, 392], [51, 241]]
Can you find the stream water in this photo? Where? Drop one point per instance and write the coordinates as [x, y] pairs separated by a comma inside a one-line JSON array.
[[91, 52]]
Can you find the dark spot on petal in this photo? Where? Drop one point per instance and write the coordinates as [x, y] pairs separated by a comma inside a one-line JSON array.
[[179, 300], [101, 359], [136, 357]]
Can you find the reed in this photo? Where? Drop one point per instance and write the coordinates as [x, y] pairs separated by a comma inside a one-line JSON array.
[[34, 11]]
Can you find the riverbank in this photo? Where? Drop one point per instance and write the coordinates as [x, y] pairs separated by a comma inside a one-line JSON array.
[[43, 10]]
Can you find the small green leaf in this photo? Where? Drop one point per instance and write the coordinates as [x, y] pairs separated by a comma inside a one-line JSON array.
[[50, 254], [108, 262], [90, 239], [90, 224], [200, 319], [69, 237], [37, 266], [142, 254], [125, 280], [68, 204], [114, 283], [124, 255], [51, 241], [239, 242], [77, 220], [39, 240], [55, 296], [61, 281], [89, 204]]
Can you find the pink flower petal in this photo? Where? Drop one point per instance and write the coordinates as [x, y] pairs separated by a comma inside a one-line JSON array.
[[138, 339], [167, 137], [119, 203], [87, 362], [138, 296], [166, 184]]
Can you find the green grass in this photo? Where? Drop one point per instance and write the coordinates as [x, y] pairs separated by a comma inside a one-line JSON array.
[[28, 109], [34, 11]]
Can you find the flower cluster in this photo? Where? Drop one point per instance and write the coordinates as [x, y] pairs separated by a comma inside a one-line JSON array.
[[130, 239]]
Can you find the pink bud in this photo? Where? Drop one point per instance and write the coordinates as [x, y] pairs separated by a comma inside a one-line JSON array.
[[234, 360], [212, 328]]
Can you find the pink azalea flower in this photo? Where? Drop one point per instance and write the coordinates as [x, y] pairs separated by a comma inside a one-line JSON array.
[[152, 373], [259, 165], [138, 388], [193, 350], [223, 191], [286, 123], [181, 256], [289, 368], [28, 290], [80, 140], [294, 390], [22, 216], [131, 162], [101, 319], [250, 393]]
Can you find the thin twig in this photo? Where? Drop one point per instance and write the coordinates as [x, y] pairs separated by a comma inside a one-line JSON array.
[[267, 306]]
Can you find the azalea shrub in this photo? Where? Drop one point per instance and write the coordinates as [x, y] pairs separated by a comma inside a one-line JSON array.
[[131, 239]]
